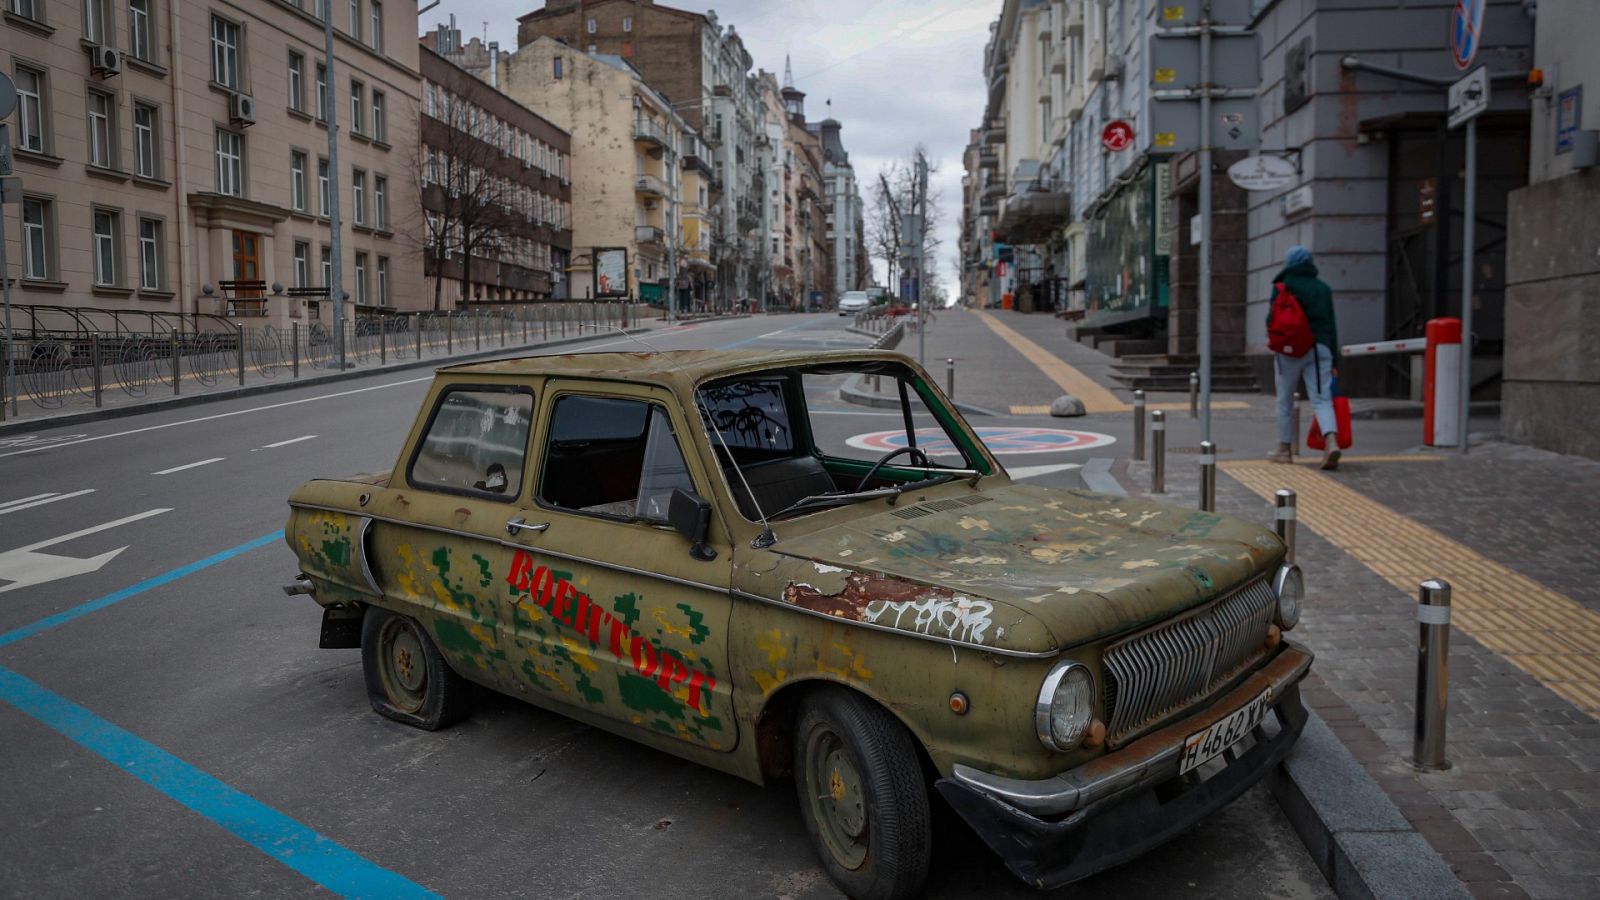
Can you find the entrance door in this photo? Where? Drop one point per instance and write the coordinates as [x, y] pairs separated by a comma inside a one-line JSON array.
[[247, 269]]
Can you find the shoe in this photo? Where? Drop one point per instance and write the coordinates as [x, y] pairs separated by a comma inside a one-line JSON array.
[[1283, 454], [1330, 456]]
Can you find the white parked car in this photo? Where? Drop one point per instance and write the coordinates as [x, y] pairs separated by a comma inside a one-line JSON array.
[[853, 302]]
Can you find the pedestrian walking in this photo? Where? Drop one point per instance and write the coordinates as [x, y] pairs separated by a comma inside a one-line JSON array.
[[1305, 340]]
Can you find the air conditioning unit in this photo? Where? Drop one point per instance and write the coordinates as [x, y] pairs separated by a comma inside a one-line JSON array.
[[104, 61], [242, 109], [1113, 68]]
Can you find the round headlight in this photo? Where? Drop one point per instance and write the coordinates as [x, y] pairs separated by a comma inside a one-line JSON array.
[[1065, 706], [1290, 586]]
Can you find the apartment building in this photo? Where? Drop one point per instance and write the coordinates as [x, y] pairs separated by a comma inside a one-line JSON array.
[[495, 190], [174, 156], [842, 212], [627, 168]]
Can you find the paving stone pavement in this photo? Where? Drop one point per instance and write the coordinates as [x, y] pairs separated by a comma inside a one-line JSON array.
[[1516, 814]]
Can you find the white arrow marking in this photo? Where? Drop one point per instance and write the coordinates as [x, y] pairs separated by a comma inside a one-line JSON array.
[[1020, 472], [24, 567], [48, 498]]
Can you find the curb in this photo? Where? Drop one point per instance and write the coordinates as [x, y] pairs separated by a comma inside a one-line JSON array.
[[1353, 832], [1414, 410], [14, 426], [852, 392]]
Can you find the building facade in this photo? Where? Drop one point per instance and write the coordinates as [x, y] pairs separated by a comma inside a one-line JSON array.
[[842, 213], [173, 156], [495, 190]]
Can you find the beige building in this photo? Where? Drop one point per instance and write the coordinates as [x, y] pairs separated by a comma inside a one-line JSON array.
[[167, 148], [619, 126]]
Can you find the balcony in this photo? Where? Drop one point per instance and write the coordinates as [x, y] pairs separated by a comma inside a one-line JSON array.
[[1034, 208], [649, 186], [1074, 25], [748, 214], [988, 158], [649, 235], [994, 132], [1058, 58], [652, 134], [993, 189]]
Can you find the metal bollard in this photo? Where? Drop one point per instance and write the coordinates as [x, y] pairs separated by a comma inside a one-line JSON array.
[[294, 346], [449, 334], [1294, 426], [1285, 521], [241, 356], [950, 378], [383, 342], [477, 331], [177, 364], [1208, 476], [99, 373], [1433, 674], [1158, 452], [1138, 425], [1194, 395], [417, 322]]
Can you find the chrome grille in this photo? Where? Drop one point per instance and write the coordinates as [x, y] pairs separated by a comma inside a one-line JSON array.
[[1155, 673]]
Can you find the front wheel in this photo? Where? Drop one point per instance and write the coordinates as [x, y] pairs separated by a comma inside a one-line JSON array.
[[862, 796], [407, 678]]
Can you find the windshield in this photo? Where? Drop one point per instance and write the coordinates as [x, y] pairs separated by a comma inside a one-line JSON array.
[[789, 444]]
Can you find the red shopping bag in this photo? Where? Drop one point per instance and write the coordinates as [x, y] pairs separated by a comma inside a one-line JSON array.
[[1341, 415]]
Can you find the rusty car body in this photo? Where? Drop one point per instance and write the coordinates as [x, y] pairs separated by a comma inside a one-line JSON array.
[[666, 546]]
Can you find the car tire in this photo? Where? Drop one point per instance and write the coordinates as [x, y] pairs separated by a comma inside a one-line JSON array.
[[407, 678], [862, 796]]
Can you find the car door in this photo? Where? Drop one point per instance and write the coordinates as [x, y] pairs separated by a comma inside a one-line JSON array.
[[617, 616], [440, 526]]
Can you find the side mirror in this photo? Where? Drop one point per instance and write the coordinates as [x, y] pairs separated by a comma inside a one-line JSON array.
[[690, 515]]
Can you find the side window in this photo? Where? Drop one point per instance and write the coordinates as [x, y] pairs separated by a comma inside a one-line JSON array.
[[612, 457], [476, 443], [751, 417], [931, 436]]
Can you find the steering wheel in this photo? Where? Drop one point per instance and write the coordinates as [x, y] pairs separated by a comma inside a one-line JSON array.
[[915, 452]]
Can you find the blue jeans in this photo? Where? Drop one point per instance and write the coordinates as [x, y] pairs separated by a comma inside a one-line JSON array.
[[1291, 370]]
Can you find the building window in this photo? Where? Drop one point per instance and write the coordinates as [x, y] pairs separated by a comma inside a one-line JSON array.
[[230, 163], [355, 19], [361, 279], [557, 62], [146, 147], [302, 263], [383, 281], [141, 30], [297, 181], [28, 9], [375, 26], [97, 21], [150, 244], [380, 131], [627, 23], [31, 109], [590, 26], [327, 265], [225, 52], [102, 107], [297, 81], [105, 248], [358, 192], [358, 105], [380, 202], [322, 92], [38, 233], [323, 200], [319, 8]]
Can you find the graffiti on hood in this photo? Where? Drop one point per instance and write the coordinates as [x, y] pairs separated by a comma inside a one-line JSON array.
[[577, 611]]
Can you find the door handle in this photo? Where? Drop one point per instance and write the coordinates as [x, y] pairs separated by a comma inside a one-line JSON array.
[[521, 524]]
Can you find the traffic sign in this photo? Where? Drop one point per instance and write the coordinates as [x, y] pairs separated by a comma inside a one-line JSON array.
[[8, 95], [1117, 135], [1466, 31], [1175, 125], [1175, 62], [1263, 173], [1469, 97]]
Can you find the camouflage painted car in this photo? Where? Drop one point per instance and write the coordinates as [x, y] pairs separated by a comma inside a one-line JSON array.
[[673, 547]]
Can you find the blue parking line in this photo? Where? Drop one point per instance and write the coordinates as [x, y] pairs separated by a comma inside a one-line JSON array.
[[84, 609], [273, 833]]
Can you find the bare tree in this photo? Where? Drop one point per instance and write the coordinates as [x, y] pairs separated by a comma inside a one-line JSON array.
[[474, 205], [896, 194]]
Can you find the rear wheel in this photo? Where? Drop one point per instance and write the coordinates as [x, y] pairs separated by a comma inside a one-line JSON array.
[[862, 796], [407, 678]]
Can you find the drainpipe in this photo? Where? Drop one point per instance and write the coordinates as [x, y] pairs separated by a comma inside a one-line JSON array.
[[181, 160]]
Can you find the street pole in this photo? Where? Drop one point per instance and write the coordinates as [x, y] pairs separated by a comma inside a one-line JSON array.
[[8, 391], [1467, 223], [331, 107], [921, 196], [1205, 227]]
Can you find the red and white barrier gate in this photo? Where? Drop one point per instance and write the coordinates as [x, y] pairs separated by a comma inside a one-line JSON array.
[[1441, 378]]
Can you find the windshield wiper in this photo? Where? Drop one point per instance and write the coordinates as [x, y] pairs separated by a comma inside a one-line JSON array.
[[837, 499]]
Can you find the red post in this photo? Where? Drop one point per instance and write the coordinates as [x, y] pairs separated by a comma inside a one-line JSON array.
[[1441, 382]]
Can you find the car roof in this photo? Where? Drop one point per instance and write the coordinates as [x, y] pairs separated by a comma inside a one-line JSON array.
[[678, 368]]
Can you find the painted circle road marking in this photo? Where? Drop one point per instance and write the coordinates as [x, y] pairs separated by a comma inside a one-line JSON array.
[[1000, 441]]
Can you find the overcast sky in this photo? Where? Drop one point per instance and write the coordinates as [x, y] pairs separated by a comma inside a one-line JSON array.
[[899, 72]]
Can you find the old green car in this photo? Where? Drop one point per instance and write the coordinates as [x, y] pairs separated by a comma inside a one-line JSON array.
[[678, 548]]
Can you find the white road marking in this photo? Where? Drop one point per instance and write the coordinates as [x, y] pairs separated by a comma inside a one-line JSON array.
[[24, 567], [297, 440], [24, 500], [1020, 472], [203, 462], [49, 498]]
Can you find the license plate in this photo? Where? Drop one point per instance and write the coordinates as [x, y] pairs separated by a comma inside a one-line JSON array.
[[1203, 746]]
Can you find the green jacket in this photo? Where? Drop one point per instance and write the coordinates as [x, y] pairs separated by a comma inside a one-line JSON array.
[[1316, 298]]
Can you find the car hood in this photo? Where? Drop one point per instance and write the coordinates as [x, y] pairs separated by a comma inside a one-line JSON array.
[[1062, 567]]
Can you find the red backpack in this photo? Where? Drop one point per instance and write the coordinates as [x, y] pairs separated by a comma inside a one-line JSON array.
[[1288, 329]]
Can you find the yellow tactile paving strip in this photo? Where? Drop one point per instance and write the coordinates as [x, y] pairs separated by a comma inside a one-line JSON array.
[[1095, 398], [1546, 634]]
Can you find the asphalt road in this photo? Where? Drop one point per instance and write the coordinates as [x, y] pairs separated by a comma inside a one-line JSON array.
[[168, 726]]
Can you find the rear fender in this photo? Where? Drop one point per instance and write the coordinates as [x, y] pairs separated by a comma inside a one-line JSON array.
[[330, 539]]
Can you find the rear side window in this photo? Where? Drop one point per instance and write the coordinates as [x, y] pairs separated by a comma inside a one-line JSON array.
[[614, 457], [476, 443]]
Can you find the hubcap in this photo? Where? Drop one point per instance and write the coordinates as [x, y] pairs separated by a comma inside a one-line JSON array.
[[838, 801], [404, 670]]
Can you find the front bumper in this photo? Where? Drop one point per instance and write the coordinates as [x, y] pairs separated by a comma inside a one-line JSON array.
[[1058, 830]]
